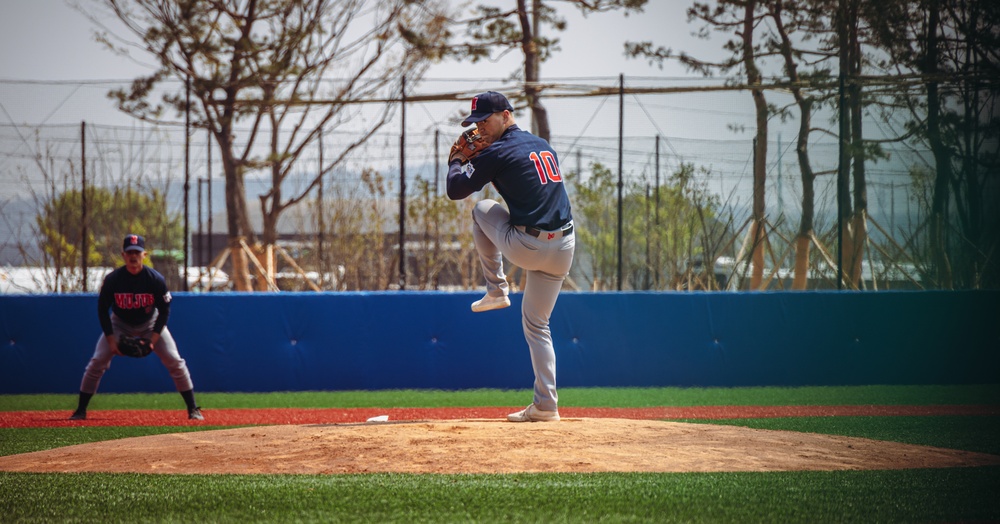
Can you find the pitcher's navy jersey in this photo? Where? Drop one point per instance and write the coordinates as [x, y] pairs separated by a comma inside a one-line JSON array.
[[133, 298], [525, 171]]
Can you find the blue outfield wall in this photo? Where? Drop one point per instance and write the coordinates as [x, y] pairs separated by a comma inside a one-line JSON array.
[[431, 340]]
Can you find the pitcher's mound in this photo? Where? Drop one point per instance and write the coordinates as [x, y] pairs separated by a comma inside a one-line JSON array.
[[489, 446]]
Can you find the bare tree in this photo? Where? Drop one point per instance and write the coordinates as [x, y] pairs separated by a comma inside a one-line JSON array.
[[740, 19], [789, 18], [953, 47], [284, 68], [493, 32]]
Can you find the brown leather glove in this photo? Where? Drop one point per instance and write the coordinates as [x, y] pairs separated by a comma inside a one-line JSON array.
[[469, 144]]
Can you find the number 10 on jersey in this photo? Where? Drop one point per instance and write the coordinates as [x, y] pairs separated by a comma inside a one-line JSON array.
[[546, 166]]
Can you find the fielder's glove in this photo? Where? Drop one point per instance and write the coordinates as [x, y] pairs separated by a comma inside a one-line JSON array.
[[469, 144], [135, 347]]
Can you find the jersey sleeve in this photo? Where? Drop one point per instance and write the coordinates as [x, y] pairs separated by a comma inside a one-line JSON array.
[[104, 301], [163, 299], [460, 185]]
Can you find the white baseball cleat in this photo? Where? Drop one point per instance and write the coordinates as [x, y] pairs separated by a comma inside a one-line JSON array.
[[533, 414], [488, 303]]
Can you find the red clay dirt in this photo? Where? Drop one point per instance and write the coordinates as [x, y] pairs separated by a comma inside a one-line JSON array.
[[479, 440], [248, 417]]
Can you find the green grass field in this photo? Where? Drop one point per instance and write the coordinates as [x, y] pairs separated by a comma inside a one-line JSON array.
[[927, 495]]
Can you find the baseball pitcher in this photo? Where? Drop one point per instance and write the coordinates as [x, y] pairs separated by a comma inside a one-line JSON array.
[[534, 231]]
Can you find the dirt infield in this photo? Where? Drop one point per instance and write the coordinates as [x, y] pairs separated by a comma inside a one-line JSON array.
[[344, 443]]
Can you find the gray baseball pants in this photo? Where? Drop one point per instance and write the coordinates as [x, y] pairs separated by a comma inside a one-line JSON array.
[[546, 264], [165, 348]]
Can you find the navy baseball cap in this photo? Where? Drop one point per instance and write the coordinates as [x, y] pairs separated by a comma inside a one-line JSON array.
[[134, 243], [484, 105]]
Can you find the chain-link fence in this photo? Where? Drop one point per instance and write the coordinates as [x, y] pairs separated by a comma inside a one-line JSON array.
[[660, 172]]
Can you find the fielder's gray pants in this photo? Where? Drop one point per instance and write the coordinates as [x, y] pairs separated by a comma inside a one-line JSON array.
[[165, 348], [546, 264]]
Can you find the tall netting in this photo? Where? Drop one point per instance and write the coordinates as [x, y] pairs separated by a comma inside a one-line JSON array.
[[660, 172]]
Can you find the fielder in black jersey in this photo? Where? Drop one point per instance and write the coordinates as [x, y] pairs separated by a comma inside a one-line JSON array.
[[534, 231], [134, 301]]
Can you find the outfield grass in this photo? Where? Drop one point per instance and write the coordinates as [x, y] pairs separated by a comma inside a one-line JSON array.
[[568, 397], [965, 495], [929, 495]]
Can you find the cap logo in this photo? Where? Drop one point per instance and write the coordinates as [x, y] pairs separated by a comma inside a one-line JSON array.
[[133, 242], [475, 99]]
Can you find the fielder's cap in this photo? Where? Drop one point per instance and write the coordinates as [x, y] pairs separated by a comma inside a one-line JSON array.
[[134, 243], [484, 105]]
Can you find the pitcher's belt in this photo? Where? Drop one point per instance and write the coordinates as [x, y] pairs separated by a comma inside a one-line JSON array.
[[538, 233]]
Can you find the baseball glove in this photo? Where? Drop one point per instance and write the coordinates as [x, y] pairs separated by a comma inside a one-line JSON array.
[[135, 347], [469, 144]]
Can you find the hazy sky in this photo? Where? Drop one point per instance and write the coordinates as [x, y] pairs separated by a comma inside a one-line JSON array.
[[49, 40]]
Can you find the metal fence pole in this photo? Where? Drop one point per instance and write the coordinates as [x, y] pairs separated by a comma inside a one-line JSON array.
[[321, 222], [209, 177], [402, 190], [83, 203], [621, 152], [187, 177]]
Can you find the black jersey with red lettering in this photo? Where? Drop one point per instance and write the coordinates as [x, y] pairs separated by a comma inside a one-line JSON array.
[[525, 171], [133, 298]]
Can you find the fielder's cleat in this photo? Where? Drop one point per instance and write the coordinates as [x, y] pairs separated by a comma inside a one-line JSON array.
[[78, 415], [533, 414], [195, 414], [488, 303]]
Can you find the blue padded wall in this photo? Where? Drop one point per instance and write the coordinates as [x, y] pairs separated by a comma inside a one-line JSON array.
[[393, 340]]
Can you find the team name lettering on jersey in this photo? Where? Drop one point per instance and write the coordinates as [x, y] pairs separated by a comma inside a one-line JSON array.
[[134, 300]]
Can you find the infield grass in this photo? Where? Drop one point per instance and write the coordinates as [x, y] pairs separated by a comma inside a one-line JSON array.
[[928, 495], [988, 394]]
